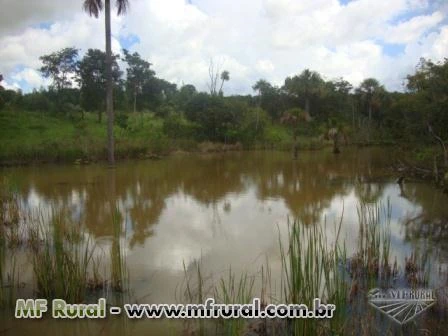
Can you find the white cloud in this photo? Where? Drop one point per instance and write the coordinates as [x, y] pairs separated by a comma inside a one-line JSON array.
[[256, 38], [31, 76], [7, 86], [409, 31], [265, 65]]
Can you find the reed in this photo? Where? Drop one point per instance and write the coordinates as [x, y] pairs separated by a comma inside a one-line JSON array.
[[119, 271], [311, 269], [61, 262], [230, 290], [370, 266]]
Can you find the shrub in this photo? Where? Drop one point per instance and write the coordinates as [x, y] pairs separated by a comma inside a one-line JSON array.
[[176, 127]]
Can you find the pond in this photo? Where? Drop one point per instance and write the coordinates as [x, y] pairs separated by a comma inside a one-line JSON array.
[[227, 210]]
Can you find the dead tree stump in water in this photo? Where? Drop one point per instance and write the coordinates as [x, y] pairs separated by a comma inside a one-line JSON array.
[[336, 149], [295, 151]]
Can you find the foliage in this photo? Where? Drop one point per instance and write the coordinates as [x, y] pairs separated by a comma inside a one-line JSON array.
[[299, 114], [138, 75], [308, 85], [92, 79], [177, 127], [60, 66], [213, 114]]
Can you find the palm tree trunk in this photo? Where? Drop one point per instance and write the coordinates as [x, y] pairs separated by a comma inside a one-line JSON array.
[[135, 100], [370, 122], [109, 87], [307, 109], [353, 115]]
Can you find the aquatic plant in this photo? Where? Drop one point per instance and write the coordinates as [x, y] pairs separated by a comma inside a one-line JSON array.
[[312, 269], [61, 262], [119, 271]]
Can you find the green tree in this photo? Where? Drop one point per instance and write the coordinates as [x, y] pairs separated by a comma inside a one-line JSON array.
[[214, 115], [94, 7], [225, 76], [371, 92], [308, 85], [61, 67], [138, 74], [430, 83], [292, 119], [92, 80], [269, 98]]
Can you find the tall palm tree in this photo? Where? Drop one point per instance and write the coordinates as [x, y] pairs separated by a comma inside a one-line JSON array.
[[308, 84], [370, 90], [93, 8], [225, 76]]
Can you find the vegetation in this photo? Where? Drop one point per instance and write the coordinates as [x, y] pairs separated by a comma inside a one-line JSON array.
[[66, 263], [314, 266], [308, 111], [93, 7]]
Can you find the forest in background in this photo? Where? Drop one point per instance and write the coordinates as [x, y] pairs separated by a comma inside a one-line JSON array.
[[65, 122]]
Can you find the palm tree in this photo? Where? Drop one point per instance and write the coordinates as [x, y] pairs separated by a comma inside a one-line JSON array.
[[371, 90], [93, 8], [308, 84], [225, 76]]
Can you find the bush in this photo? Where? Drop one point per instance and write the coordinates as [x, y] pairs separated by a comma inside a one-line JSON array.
[[122, 120], [165, 111], [176, 127]]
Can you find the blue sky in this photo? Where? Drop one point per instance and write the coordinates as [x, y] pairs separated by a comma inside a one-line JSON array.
[[254, 39]]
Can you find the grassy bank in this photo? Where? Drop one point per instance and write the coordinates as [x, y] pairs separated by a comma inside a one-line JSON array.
[[32, 137]]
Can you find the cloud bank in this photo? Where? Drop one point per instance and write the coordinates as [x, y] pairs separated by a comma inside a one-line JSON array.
[[252, 39]]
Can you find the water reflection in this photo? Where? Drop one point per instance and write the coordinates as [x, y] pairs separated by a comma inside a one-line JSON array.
[[229, 208]]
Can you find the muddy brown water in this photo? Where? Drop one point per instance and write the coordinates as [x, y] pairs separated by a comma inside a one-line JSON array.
[[224, 210]]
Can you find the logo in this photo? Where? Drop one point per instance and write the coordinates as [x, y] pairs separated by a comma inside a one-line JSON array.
[[402, 304]]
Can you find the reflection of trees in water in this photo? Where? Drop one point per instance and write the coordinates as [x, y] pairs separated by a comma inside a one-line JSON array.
[[368, 192], [307, 186], [430, 222]]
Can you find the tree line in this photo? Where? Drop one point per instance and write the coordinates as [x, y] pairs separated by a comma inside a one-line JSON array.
[[305, 102]]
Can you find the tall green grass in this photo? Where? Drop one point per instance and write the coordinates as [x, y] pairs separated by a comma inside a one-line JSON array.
[[230, 290], [370, 266], [311, 269], [315, 264], [61, 263], [119, 271], [9, 239]]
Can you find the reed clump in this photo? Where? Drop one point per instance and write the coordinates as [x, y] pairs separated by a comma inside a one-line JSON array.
[[370, 265], [312, 268], [119, 271], [61, 264]]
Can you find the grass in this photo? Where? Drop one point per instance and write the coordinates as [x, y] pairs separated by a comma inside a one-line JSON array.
[[313, 265], [9, 238], [34, 137], [62, 255], [231, 290], [62, 262], [119, 271], [371, 265], [311, 269], [27, 137]]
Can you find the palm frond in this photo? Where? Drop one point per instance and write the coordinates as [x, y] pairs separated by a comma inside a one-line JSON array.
[[122, 6], [93, 7]]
